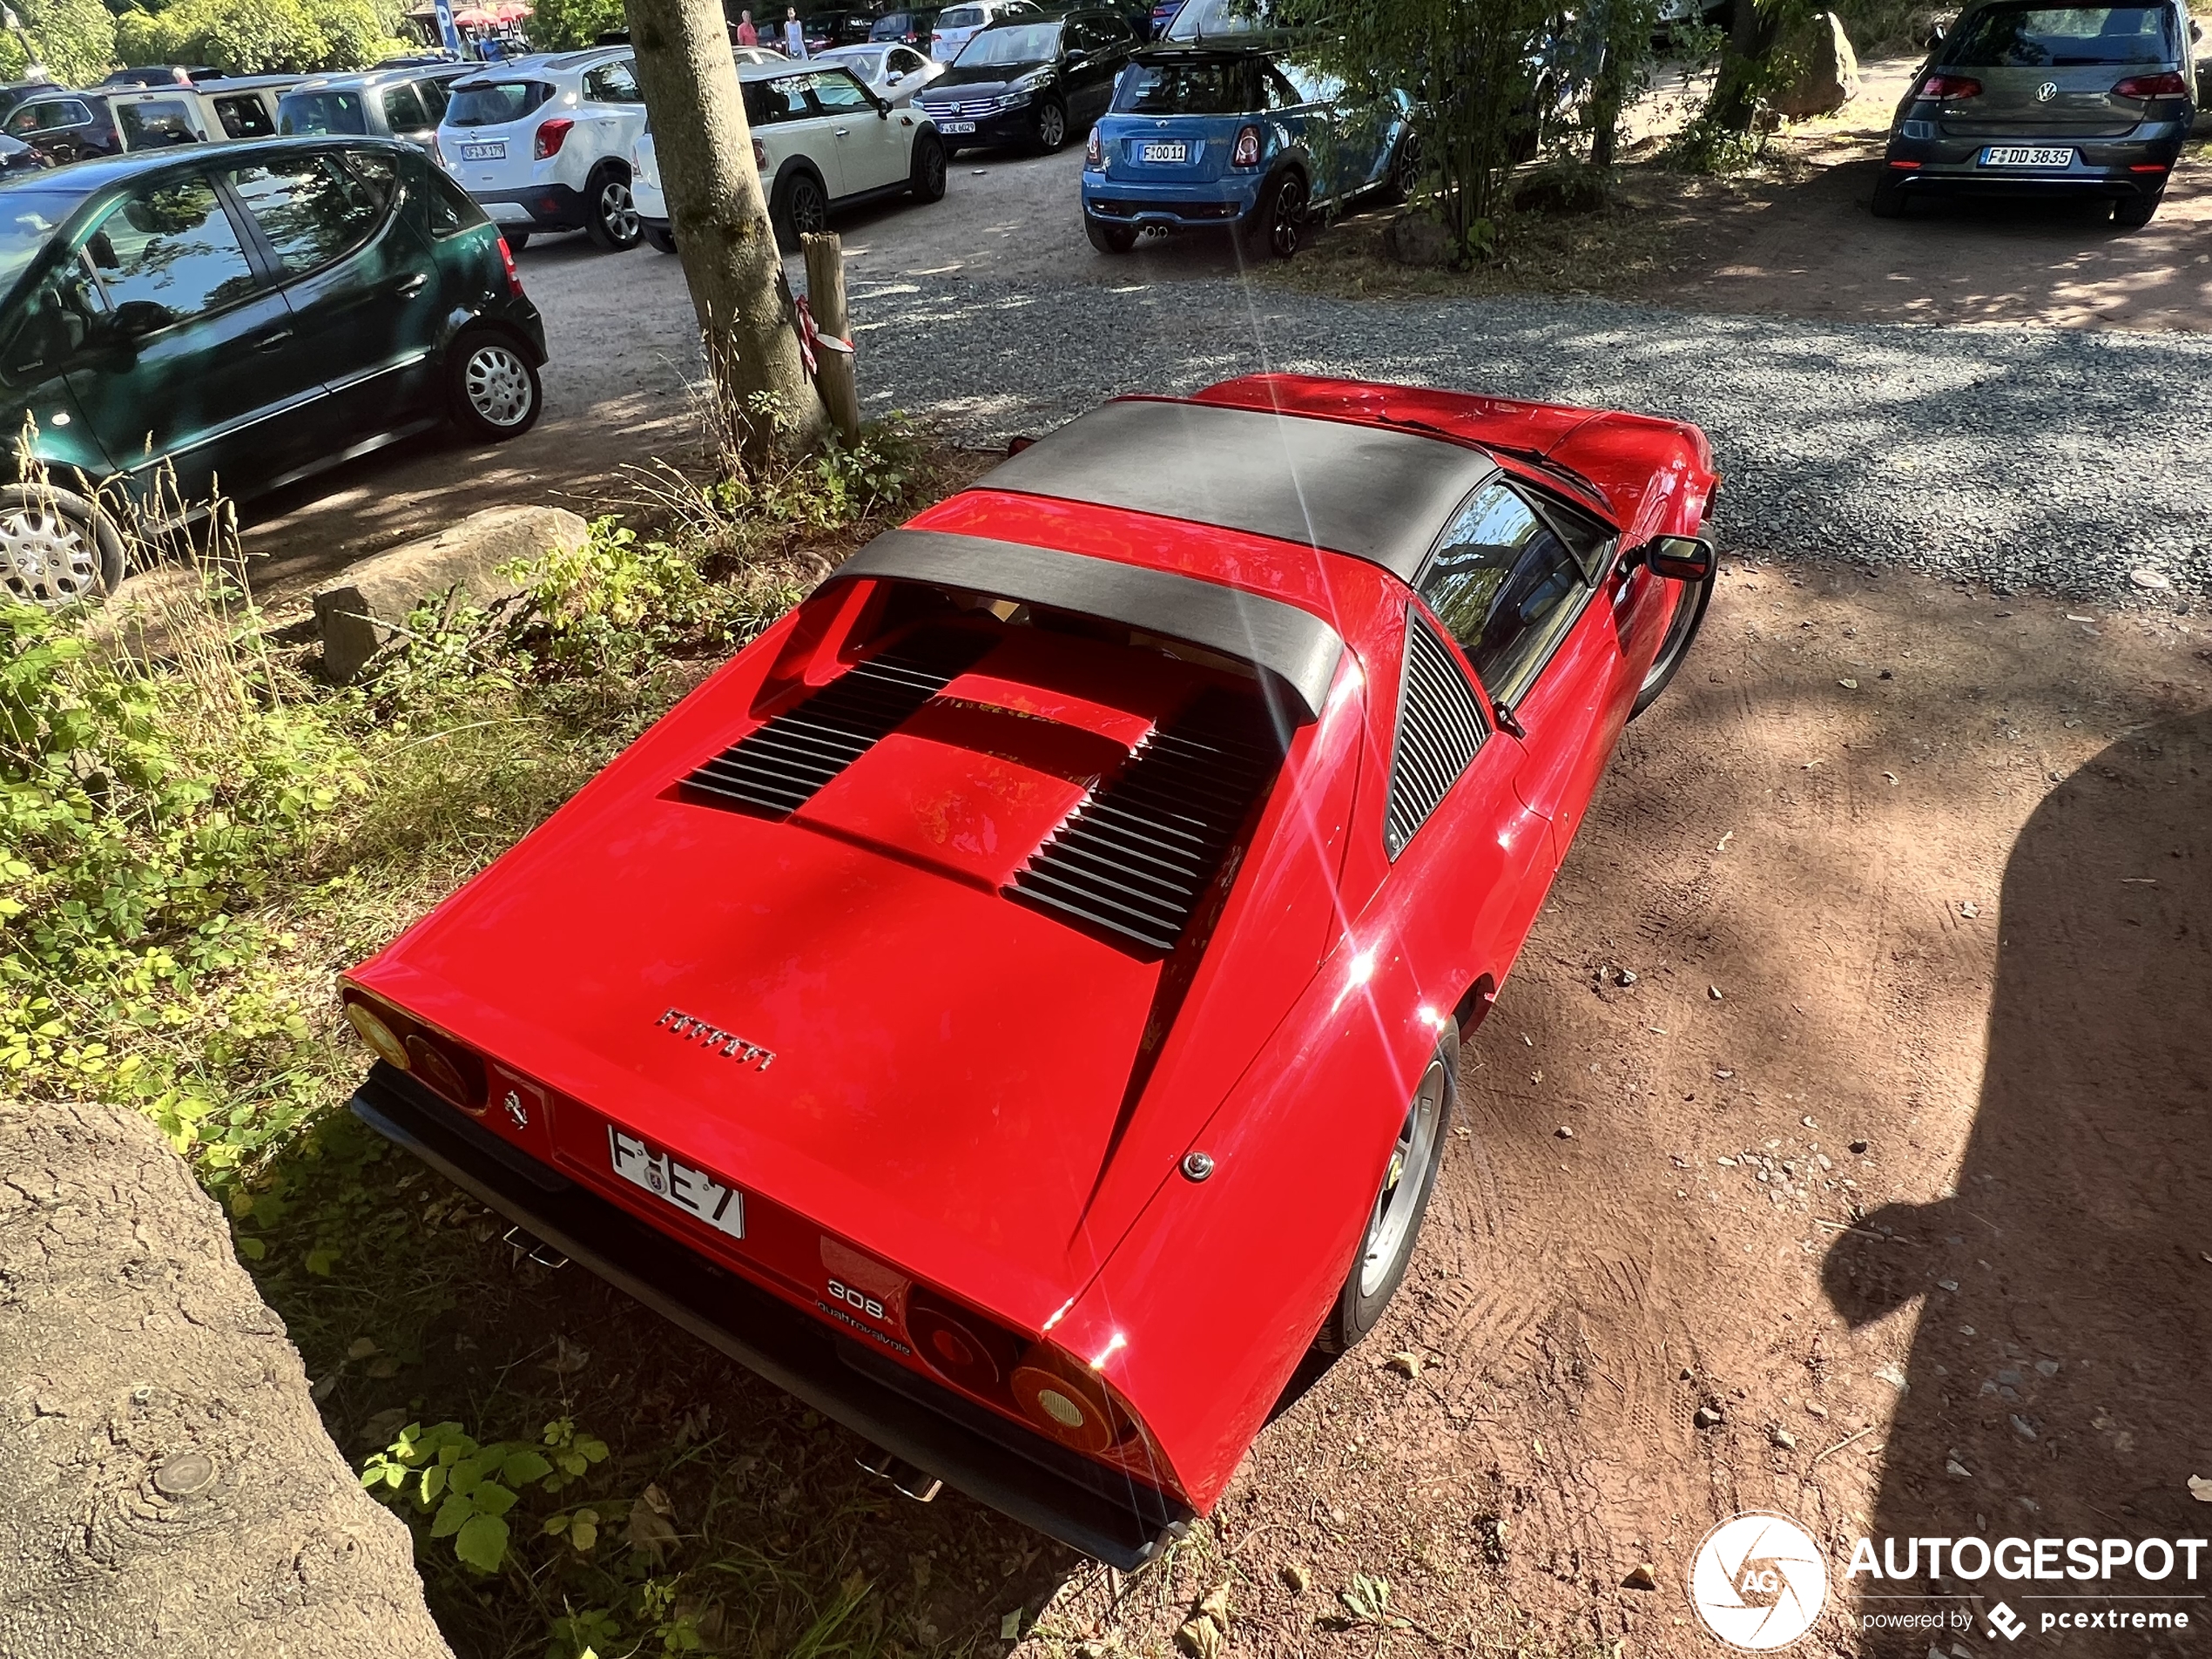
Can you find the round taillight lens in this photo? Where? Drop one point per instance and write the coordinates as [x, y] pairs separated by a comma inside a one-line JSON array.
[[461, 1084], [1073, 1408], [966, 1352], [379, 1036]]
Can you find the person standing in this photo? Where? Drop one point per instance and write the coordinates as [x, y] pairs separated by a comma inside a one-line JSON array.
[[795, 33], [747, 35]]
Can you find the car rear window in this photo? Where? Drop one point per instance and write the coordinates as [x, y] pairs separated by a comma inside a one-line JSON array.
[[962, 18], [27, 219], [2021, 36], [1212, 19], [769, 102], [1221, 87], [314, 114], [492, 103]]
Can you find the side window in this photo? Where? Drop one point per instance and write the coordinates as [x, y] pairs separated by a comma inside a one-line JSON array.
[[57, 321], [612, 84], [244, 118], [1281, 95], [155, 123], [403, 110], [436, 95], [839, 94], [904, 62], [451, 209], [311, 210], [1504, 583], [1439, 728], [26, 120], [170, 247], [781, 100], [377, 173]]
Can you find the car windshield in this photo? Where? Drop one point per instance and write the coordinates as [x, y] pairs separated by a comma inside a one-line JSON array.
[[492, 103], [1034, 43], [2020, 37], [313, 114], [27, 219], [1216, 86], [1212, 19]]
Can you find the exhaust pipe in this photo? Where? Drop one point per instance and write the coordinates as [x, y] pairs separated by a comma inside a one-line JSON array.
[[918, 1484]]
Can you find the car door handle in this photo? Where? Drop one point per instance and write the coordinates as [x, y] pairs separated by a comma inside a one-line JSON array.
[[838, 133], [272, 340], [407, 286]]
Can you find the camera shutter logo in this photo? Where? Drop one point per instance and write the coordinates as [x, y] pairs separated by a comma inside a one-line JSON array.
[[1758, 1581]]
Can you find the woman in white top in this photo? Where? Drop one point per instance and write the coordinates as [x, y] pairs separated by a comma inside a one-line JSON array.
[[795, 33]]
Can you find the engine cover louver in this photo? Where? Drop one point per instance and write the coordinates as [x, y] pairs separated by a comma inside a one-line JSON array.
[[781, 767], [1136, 856], [1439, 727]]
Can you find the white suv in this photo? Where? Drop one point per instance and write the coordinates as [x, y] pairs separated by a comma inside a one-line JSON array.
[[543, 144], [957, 25], [821, 140]]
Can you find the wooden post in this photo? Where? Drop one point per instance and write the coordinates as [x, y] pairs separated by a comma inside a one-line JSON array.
[[826, 299]]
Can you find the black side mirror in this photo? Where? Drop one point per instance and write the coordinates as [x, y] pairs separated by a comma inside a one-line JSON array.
[[1678, 558], [136, 318], [1934, 37]]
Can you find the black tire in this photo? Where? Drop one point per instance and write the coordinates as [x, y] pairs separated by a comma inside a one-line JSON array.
[[1681, 633], [1889, 200], [1277, 228], [660, 238], [2135, 212], [1394, 1224], [1108, 239], [1050, 130], [492, 388], [1405, 169], [951, 153], [610, 211], [801, 208], [56, 547], [926, 174], [517, 240]]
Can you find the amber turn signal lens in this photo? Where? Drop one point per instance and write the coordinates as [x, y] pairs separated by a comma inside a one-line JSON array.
[[379, 1036], [1072, 1407]]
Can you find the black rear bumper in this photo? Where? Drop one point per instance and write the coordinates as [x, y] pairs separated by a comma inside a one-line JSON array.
[[1061, 1493]]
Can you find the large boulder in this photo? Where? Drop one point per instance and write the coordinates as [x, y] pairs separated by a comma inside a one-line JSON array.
[[358, 612], [1829, 76], [169, 1489]]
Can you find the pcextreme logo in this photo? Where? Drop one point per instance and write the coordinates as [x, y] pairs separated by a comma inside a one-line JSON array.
[[1758, 1581]]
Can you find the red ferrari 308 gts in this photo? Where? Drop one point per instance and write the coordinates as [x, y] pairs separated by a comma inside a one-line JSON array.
[[1014, 1005]]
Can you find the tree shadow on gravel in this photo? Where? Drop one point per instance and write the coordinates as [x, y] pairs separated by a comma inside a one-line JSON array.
[[2057, 1378]]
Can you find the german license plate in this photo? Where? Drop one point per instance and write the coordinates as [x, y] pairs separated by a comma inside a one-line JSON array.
[[1163, 152], [484, 152], [720, 1207], [2019, 156], [956, 126]]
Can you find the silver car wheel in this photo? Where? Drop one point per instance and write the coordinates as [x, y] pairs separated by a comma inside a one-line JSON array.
[[618, 211], [1405, 1184], [498, 385], [47, 557]]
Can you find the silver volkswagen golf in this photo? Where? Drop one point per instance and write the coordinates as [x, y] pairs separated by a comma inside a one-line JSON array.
[[2028, 98]]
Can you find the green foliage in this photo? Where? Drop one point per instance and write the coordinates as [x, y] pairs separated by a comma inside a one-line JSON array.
[[75, 39], [259, 37], [465, 1490], [565, 26]]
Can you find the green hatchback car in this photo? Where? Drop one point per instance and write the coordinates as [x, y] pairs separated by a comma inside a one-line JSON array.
[[240, 316]]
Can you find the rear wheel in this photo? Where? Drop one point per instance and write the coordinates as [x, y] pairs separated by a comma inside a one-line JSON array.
[[926, 177], [1108, 239], [1681, 633], [612, 217], [492, 388], [56, 547], [802, 209], [2136, 212], [1277, 224], [1051, 130], [1889, 200], [517, 240], [1395, 1221], [660, 238], [1405, 169]]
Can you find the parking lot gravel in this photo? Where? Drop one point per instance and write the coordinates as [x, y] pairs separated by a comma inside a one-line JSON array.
[[2018, 457]]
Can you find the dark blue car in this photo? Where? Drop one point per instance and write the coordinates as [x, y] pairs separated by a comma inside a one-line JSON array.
[[1234, 137]]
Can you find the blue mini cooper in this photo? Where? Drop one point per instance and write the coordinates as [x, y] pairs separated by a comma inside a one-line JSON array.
[[1236, 138]]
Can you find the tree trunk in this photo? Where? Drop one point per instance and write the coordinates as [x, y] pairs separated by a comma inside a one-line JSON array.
[[764, 403]]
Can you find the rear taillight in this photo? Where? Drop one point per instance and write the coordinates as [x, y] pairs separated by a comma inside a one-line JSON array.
[[2167, 85], [759, 156], [1070, 1401], [454, 1071], [551, 135], [1950, 88], [1245, 151], [514, 277], [436, 154], [376, 1031], [1094, 152], [966, 1351]]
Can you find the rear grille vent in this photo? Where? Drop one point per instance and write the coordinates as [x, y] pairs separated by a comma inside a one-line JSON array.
[[781, 767], [1137, 857], [1439, 727]]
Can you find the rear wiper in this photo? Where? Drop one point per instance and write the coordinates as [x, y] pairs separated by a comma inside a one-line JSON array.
[[1536, 458]]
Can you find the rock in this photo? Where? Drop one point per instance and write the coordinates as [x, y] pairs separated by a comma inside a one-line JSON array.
[[1859, 1147], [1782, 1437], [1707, 1417], [1296, 1579], [2021, 1428], [1828, 79], [356, 613], [1628, 976], [1947, 1285], [1713, 991], [1415, 238], [2154, 580], [2047, 1367], [2201, 1489], [1642, 1577], [1564, 1133], [1814, 1408], [166, 1473], [152, 616], [1952, 1465]]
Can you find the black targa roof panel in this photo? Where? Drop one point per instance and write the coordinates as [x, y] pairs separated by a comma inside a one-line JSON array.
[[1298, 648], [1377, 495]]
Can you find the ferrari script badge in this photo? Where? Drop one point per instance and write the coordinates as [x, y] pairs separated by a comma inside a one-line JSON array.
[[729, 1044]]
